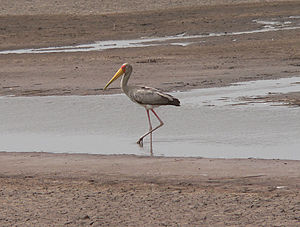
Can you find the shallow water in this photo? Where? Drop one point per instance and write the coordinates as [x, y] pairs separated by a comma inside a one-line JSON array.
[[276, 24], [206, 125]]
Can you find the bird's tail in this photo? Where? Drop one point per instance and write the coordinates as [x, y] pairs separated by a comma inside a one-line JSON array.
[[175, 102]]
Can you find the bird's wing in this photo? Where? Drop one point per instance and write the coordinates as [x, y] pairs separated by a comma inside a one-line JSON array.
[[150, 96]]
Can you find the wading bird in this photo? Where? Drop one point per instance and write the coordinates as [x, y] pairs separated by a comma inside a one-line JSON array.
[[146, 96]]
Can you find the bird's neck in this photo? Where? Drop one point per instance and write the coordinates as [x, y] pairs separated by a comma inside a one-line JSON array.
[[124, 83]]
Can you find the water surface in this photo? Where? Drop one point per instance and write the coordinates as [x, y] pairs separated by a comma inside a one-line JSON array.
[[206, 125]]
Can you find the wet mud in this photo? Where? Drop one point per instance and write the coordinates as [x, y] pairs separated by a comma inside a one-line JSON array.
[[214, 59]]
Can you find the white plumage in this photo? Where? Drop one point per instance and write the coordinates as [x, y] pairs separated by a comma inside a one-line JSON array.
[[146, 96]]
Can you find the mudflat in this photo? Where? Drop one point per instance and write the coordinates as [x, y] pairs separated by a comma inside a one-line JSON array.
[[215, 61], [79, 190], [39, 189]]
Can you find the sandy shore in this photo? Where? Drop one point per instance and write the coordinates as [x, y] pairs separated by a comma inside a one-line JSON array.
[[80, 190], [216, 61], [39, 189]]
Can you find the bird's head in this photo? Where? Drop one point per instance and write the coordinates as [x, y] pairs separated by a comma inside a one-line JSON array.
[[125, 68]]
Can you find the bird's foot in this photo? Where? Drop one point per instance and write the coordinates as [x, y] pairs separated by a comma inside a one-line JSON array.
[[140, 142]]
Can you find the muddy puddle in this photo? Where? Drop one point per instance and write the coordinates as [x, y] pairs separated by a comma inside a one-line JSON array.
[[208, 124], [271, 25]]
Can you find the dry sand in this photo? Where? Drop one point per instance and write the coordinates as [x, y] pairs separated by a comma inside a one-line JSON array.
[[79, 190], [39, 189]]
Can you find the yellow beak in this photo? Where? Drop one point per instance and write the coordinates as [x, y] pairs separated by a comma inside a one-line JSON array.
[[116, 76]]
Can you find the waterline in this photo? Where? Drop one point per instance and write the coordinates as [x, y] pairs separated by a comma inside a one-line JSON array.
[[207, 124], [181, 39]]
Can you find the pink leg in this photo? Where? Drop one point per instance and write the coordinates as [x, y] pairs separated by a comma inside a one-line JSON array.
[[140, 141], [161, 122], [150, 128]]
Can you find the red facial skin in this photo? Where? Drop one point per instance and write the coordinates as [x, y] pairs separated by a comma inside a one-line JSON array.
[[123, 68]]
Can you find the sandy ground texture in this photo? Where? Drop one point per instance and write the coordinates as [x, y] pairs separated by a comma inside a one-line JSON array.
[[214, 62], [39, 189], [83, 7], [82, 190]]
